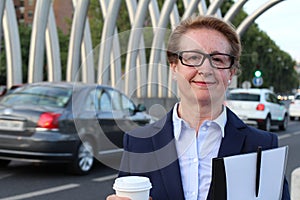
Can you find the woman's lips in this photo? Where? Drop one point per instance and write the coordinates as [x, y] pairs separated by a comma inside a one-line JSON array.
[[203, 83]]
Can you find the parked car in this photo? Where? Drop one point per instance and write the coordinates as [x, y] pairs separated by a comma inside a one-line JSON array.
[[294, 108], [3, 90], [65, 122], [258, 107]]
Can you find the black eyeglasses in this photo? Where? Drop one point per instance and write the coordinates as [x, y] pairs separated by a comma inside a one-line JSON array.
[[197, 58]]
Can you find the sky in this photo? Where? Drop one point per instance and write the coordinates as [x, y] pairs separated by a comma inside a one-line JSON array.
[[281, 22]]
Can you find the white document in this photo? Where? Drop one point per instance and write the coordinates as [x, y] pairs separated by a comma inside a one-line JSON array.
[[241, 175]]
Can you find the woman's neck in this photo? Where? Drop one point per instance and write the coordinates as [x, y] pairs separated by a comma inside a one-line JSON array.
[[196, 114]]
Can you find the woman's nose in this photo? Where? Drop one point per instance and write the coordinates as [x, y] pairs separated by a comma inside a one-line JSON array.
[[205, 68]]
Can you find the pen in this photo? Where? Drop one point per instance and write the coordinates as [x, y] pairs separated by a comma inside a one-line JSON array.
[[258, 165]]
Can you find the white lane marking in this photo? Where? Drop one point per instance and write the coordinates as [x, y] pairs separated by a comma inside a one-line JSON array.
[[41, 192], [288, 135], [105, 178], [284, 136], [2, 176], [296, 133]]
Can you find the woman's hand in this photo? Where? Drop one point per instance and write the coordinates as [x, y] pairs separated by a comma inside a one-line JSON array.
[[115, 197]]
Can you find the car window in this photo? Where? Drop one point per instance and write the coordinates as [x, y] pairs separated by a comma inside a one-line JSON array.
[[92, 101], [273, 99], [127, 104], [243, 97], [297, 97], [116, 99], [121, 102], [39, 95], [267, 97], [105, 103]]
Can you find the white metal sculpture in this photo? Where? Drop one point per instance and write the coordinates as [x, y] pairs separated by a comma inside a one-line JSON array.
[[142, 77]]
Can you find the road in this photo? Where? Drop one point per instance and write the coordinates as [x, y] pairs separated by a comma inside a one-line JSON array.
[[48, 182]]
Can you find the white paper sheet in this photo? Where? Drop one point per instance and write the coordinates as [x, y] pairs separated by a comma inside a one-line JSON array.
[[241, 175]]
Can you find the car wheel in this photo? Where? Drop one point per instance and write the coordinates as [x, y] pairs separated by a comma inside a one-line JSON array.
[[4, 163], [267, 124], [284, 124], [292, 118], [84, 159]]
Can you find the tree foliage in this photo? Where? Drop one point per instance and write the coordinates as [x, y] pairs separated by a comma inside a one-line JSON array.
[[261, 52]]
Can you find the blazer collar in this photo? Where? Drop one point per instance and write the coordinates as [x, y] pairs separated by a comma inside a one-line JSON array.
[[169, 168], [231, 144], [233, 141]]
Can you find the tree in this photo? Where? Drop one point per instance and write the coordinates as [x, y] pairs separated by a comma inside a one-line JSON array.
[[259, 49], [25, 33]]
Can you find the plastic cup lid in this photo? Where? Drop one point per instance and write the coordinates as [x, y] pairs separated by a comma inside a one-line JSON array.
[[132, 183]]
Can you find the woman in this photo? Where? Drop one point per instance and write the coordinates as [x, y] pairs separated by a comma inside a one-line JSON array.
[[176, 152]]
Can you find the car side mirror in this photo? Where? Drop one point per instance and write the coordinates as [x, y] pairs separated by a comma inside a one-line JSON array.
[[140, 108]]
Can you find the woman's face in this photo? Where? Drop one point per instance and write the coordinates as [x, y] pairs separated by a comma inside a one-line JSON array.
[[203, 84]]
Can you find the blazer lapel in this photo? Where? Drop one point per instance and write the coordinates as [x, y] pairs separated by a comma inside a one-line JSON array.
[[167, 158], [233, 141]]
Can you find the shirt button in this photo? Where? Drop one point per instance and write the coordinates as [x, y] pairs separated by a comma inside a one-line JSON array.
[[204, 128], [195, 159]]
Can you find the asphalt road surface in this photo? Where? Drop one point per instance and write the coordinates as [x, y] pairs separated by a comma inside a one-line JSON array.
[[47, 182]]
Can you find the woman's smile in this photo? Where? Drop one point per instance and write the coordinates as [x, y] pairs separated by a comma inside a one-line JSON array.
[[203, 83]]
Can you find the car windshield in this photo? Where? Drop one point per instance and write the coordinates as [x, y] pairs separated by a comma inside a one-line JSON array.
[[39, 95], [243, 97]]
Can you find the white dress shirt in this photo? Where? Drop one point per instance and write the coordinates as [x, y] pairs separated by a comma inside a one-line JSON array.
[[195, 153]]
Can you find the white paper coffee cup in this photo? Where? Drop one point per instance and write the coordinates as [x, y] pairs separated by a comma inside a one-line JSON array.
[[134, 187]]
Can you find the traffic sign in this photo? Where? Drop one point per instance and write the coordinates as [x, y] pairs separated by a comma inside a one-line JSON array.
[[246, 85], [257, 81]]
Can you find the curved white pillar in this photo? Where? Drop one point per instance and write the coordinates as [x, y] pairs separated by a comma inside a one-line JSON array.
[[134, 44], [154, 78], [37, 45], [234, 9], [12, 45], [107, 42], [251, 18], [114, 69], [79, 19], [52, 49]]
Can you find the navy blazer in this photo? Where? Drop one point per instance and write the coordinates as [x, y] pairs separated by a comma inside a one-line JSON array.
[[150, 151]]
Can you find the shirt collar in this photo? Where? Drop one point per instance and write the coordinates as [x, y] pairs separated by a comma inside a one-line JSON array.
[[178, 123], [221, 120]]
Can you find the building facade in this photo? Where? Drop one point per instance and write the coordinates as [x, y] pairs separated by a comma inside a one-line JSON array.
[[63, 11]]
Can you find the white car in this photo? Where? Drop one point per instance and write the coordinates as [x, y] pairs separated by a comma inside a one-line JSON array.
[[294, 108], [258, 107]]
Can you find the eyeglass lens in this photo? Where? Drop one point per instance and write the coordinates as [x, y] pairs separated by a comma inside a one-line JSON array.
[[193, 58]]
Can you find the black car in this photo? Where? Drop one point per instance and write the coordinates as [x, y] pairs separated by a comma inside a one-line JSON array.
[[66, 122]]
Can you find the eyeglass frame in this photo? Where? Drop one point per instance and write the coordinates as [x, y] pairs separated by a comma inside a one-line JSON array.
[[208, 56]]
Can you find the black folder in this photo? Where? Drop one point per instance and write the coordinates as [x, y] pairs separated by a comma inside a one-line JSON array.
[[252, 176]]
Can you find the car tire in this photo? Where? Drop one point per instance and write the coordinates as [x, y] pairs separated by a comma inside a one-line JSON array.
[[292, 118], [266, 125], [284, 124], [4, 163], [84, 160]]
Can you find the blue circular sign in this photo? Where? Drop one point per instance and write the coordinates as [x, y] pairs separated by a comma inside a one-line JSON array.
[[257, 81]]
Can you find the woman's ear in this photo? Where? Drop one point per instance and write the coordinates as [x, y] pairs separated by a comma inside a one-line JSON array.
[[173, 70], [173, 67], [232, 72]]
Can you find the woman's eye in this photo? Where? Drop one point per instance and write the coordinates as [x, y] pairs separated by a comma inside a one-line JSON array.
[[217, 59], [194, 58]]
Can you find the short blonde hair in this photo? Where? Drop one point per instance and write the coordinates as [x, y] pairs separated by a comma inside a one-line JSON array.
[[209, 22]]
